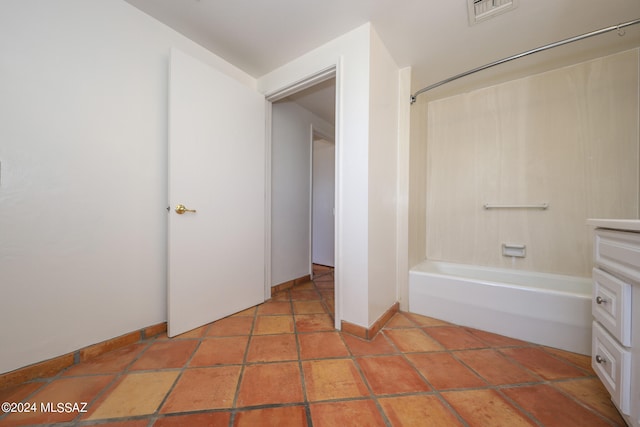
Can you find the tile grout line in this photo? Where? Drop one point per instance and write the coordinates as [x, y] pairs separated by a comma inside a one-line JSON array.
[[578, 401], [364, 378], [107, 388], [234, 404], [569, 362], [113, 384], [525, 368], [372, 396], [519, 408], [543, 381], [126, 371], [156, 414], [489, 385], [152, 418], [307, 405], [435, 391]]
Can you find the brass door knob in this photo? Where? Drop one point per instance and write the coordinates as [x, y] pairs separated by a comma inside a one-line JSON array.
[[180, 209]]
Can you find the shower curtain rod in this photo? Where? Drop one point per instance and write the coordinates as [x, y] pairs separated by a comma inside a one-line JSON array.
[[529, 52]]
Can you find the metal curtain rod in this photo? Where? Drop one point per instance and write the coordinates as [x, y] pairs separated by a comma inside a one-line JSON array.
[[529, 52]]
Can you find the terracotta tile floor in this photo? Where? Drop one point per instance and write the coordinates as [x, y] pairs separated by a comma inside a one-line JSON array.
[[282, 364]]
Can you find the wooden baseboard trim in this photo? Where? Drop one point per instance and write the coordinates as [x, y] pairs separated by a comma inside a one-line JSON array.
[[369, 333], [51, 367], [290, 284]]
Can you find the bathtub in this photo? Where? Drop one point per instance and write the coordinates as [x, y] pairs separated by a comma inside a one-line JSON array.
[[547, 309]]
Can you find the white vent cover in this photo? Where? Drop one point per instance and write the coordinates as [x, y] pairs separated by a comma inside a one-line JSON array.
[[479, 10]]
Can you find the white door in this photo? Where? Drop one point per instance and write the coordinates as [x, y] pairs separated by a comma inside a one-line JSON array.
[[323, 195], [217, 169]]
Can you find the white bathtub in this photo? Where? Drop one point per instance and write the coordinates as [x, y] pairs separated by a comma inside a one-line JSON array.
[[547, 309]]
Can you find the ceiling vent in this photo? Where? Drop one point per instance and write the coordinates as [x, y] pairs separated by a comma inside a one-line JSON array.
[[480, 10]]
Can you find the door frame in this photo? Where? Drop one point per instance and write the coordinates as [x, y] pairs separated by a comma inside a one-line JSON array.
[[334, 70], [312, 137]]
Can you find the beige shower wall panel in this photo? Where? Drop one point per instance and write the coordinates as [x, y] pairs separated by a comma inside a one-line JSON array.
[[568, 137], [418, 182]]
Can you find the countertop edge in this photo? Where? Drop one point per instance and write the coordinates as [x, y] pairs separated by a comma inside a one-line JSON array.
[[615, 224]]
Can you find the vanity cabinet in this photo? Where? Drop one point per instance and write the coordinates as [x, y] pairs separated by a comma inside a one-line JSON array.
[[615, 353]]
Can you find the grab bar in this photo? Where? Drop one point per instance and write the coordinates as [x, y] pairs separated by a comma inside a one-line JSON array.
[[494, 206]]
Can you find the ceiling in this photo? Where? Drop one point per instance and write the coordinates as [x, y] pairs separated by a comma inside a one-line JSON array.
[[433, 37], [319, 99]]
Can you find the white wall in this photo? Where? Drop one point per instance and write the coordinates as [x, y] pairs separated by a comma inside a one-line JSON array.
[[323, 184], [83, 192], [291, 189], [403, 198], [354, 54], [350, 53], [383, 178]]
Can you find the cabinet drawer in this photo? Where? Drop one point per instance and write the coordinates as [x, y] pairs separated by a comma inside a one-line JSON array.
[[612, 363], [611, 305], [618, 253]]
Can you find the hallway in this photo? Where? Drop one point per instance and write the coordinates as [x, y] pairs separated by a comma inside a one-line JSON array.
[[282, 364]]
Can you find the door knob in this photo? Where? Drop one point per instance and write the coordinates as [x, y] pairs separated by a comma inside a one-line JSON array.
[[180, 209]]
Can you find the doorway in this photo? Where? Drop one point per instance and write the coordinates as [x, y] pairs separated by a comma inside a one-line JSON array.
[[322, 201], [302, 189]]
